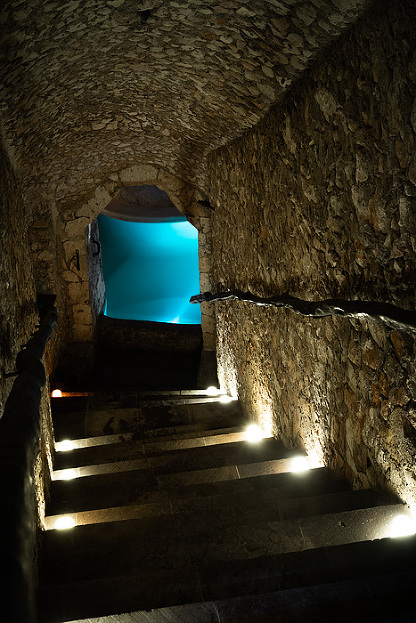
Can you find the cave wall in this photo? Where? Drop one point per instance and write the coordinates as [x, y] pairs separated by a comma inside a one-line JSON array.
[[25, 466], [18, 311], [319, 201]]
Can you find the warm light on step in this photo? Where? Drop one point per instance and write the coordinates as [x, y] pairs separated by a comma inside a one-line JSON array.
[[402, 525], [64, 523], [212, 391], [255, 433], [65, 474], [56, 393], [222, 396], [64, 446], [299, 464], [225, 399]]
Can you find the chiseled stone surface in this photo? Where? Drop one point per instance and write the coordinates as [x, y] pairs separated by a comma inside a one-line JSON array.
[[96, 96], [189, 613], [18, 312], [157, 83], [319, 201]]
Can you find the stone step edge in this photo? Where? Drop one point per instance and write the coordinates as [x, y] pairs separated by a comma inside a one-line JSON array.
[[167, 507], [120, 438], [231, 471], [272, 483], [303, 597], [151, 398], [221, 451], [138, 393]]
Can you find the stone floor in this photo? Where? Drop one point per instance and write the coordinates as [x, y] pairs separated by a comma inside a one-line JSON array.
[[179, 518]]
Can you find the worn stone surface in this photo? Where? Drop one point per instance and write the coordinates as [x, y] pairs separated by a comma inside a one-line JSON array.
[[319, 201], [97, 96], [111, 84], [18, 312]]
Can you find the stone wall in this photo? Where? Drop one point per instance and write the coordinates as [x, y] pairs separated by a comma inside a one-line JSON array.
[[89, 88], [22, 510], [18, 311], [320, 201]]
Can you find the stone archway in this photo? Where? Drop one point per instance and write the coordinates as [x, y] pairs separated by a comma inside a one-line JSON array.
[[82, 275]]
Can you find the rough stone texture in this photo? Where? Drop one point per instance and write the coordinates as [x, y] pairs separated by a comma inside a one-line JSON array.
[[147, 335], [96, 96], [18, 313], [319, 200], [82, 284], [116, 84]]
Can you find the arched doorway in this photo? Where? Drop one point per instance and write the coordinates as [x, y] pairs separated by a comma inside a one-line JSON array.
[[150, 269], [149, 258], [83, 285]]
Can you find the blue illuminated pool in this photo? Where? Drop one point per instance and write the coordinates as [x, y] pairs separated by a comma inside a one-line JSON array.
[[150, 270]]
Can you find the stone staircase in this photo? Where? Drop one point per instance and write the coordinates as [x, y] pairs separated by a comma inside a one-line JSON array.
[[178, 518]]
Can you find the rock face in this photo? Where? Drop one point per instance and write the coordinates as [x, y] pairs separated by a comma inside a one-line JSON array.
[[319, 201], [18, 312], [96, 96], [160, 82], [292, 120]]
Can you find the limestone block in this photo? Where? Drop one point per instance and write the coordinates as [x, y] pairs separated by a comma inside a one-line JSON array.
[[139, 174], [75, 229], [326, 103], [205, 282], [78, 292], [82, 332], [208, 323], [82, 314], [209, 341], [205, 263], [70, 276]]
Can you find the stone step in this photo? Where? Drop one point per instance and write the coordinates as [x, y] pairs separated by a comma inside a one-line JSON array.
[[144, 486], [81, 401], [338, 583], [237, 578], [108, 549], [345, 601], [237, 510], [93, 421], [284, 484], [189, 465], [278, 537], [111, 448], [223, 512]]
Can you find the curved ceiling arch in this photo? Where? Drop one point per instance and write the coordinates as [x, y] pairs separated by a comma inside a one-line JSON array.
[[183, 195], [88, 83]]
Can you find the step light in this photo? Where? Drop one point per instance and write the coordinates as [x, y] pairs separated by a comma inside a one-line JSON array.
[[299, 464], [64, 523], [254, 433], [402, 525], [64, 446], [56, 393], [65, 474], [212, 391], [226, 399]]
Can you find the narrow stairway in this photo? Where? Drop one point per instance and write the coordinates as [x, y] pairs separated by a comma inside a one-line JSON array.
[[179, 518]]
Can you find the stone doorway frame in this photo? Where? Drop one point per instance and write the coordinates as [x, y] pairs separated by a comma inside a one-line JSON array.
[[82, 277]]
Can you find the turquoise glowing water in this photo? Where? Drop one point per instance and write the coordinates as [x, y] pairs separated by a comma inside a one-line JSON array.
[[150, 270]]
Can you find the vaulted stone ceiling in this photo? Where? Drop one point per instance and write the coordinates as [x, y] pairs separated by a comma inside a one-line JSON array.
[[91, 86]]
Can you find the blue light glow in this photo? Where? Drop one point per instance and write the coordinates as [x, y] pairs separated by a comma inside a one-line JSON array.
[[150, 270]]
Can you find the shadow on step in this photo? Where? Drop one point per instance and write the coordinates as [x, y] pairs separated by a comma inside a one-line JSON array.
[[136, 354]]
